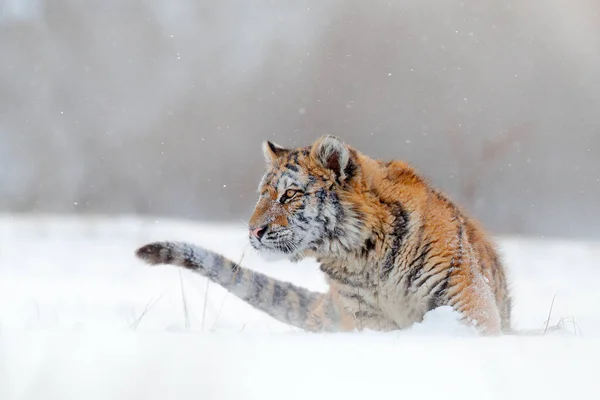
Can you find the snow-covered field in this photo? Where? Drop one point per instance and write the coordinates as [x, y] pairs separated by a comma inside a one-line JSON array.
[[81, 318]]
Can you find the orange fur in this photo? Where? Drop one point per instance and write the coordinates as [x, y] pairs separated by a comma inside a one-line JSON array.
[[477, 285]]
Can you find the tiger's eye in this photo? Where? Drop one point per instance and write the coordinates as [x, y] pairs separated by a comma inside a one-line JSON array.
[[290, 193]]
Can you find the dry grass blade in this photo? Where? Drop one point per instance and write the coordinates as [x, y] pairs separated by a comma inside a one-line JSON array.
[[205, 303], [570, 320], [147, 309], [549, 314], [184, 302]]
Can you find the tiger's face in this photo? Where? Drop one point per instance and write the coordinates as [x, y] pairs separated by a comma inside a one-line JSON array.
[[300, 209]]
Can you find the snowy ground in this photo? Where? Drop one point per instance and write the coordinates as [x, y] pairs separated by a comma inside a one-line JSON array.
[[80, 317]]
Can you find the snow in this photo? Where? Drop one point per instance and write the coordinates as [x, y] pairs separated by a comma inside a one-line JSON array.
[[80, 317]]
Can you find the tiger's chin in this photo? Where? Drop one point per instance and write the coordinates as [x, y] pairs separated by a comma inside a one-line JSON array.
[[273, 255]]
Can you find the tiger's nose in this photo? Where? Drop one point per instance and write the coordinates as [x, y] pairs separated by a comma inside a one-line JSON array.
[[259, 232]]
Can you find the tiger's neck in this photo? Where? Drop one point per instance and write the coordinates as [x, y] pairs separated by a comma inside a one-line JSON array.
[[380, 211]]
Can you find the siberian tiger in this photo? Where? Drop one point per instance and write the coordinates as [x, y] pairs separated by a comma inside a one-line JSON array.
[[391, 246]]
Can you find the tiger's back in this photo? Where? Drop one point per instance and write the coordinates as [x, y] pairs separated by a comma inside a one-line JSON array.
[[391, 246], [426, 254]]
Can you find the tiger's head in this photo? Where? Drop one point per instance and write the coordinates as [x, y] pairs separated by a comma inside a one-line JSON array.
[[305, 205]]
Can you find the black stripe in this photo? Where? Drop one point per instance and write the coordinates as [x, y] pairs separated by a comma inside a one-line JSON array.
[[345, 277], [338, 270], [169, 256], [269, 177], [367, 248], [400, 229], [450, 300], [419, 261], [293, 157], [352, 296], [419, 241], [189, 259], [271, 235], [301, 218], [429, 273], [291, 167], [340, 214], [365, 314], [238, 274], [258, 282], [304, 301], [218, 263], [279, 294], [356, 297], [436, 298], [321, 195], [413, 275]]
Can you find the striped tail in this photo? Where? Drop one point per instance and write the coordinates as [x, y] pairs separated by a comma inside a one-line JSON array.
[[283, 301]]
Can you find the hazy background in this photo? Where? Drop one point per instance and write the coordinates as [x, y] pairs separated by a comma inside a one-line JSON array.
[[159, 107]]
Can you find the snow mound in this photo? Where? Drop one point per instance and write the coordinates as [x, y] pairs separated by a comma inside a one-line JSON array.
[[442, 321]]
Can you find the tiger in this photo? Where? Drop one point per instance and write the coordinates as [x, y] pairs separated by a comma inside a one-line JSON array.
[[391, 246]]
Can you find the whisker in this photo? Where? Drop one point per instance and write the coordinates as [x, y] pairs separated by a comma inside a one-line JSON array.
[[293, 247]]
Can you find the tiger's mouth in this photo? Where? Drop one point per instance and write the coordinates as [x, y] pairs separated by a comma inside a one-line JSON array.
[[277, 249]]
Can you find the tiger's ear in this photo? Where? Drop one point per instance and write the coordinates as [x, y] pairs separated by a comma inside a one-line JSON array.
[[272, 151], [333, 154]]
